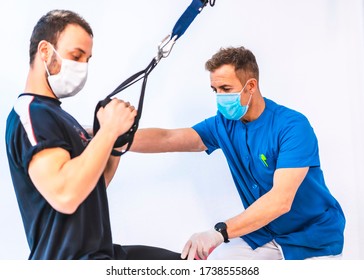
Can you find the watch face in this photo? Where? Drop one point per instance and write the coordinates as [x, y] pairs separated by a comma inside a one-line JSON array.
[[220, 226]]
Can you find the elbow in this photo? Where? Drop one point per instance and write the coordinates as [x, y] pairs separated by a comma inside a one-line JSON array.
[[280, 203], [65, 209], [65, 205], [284, 207], [68, 210]]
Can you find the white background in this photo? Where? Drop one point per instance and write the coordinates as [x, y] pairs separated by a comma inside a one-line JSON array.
[[310, 54]]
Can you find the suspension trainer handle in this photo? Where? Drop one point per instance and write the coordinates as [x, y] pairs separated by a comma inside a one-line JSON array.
[[164, 49]]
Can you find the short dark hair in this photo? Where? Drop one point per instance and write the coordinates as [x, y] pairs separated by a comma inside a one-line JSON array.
[[51, 25], [240, 57]]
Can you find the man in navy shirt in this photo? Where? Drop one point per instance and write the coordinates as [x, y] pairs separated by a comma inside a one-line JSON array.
[[272, 153], [60, 174]]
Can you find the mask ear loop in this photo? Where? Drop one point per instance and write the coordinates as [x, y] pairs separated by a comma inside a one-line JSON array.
[[55, 51], [44, 62], [250, 98], [46, 68], [251, 94], [244, 86]]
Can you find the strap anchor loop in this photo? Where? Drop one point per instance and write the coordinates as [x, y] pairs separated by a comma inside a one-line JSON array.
[[165, 47]]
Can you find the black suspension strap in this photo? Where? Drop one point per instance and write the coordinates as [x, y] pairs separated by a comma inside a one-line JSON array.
[[164, 49]]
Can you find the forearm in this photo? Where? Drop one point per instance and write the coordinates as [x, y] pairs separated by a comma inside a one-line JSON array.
[[87, 168], [111, 167], [112, 163], [64, 182], [201, 244], [157, 140], [259, 214], [270, 206], [150, 140]]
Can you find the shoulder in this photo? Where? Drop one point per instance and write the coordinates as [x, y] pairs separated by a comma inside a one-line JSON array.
[[32, 106], [284, 115]]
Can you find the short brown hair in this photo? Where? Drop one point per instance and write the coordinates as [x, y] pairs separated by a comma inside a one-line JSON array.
[[51, 25], [240, 57]]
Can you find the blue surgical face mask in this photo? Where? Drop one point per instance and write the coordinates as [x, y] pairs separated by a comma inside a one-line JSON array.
[[229, 105]]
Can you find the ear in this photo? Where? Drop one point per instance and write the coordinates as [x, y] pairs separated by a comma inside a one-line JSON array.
[[44, 50], [252, 85]]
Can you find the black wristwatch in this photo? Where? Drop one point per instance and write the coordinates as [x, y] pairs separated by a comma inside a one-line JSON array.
[[221, 227]]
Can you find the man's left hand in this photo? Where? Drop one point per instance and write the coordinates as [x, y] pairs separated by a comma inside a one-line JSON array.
[[201, 244]]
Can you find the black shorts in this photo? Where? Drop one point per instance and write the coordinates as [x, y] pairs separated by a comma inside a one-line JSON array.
[[141, 252]]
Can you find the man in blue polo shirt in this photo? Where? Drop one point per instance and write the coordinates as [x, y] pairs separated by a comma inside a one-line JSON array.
[[273, 156]]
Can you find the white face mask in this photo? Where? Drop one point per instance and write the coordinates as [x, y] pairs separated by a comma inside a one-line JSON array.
[[70, 79]]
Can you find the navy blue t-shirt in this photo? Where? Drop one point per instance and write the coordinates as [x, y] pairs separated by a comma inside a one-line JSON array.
[[37, 123], [280, 138]]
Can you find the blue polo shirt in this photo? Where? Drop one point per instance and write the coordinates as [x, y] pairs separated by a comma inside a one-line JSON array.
[[280, 138]]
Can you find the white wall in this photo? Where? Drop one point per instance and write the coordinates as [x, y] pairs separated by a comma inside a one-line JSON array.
[[310, 54]]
